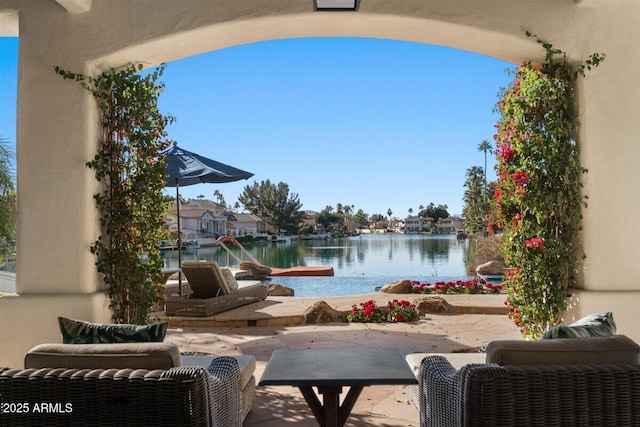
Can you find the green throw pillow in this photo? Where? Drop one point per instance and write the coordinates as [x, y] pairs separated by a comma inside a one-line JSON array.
[[595, 325], [79, 332]]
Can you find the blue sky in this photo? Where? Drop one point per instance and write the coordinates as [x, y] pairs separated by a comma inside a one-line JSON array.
[[378, 124]]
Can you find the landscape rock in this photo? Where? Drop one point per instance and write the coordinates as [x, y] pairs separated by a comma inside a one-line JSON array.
[[175, 276], [256, 269], [431, 304], [321, 312], [278, 290], [491, 267], [399, 287]]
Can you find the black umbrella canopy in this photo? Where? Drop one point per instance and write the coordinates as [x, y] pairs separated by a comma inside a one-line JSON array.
[[187, 168]]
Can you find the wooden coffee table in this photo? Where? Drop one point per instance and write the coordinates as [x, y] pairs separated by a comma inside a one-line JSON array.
[[330, 369]]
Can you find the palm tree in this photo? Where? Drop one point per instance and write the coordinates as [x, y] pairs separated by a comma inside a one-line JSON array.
[[389, 212], [219, 197], [485, 147], [347, 211], [475, 209]]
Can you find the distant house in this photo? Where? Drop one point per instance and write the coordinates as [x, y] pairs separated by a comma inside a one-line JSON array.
[[215, 208], [417, 224], [211, 220], [449, 225], [310, 218], [239, 224], [412, 224], [202, 217]]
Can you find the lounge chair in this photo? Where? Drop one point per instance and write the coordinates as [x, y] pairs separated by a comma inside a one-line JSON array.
[[211, 292]]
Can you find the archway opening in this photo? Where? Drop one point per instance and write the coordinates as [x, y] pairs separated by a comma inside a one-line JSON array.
[[388, 124]]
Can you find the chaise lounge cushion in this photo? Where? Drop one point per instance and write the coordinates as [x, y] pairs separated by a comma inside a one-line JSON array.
[[81, 332], [612, 349], [595, 325], [104, 356], [205, 278]]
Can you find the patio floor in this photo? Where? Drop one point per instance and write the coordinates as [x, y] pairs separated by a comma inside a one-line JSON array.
[[465, 328]]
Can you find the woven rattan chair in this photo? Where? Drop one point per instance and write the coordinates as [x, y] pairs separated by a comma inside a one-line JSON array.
[[183, 396], [211, 293], [540, 395]]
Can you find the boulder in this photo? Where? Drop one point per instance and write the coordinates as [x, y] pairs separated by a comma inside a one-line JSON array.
[[175, 276], [399, 287], [491, 268], [321, 312], [256, 269], [278, 290], [431, 305]]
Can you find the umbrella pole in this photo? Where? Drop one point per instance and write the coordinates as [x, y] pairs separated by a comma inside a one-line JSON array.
[[179, 239]]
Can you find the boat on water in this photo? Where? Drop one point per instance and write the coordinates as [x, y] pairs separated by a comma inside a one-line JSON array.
[[167, 245], [461, 234], [255, 267], [280, 239], [189, 242]]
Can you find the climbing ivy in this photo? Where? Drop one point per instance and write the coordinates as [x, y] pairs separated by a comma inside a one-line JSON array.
[[130, 165]]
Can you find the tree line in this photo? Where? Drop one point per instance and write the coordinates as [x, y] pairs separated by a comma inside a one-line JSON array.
[[282, 209]]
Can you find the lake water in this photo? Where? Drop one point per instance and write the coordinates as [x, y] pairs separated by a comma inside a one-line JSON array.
[[360, 263]]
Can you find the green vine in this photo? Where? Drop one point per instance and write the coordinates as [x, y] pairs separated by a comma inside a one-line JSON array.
[[130, 165], [538, 195]]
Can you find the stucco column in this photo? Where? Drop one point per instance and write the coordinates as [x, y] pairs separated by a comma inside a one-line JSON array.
[[57, 131]]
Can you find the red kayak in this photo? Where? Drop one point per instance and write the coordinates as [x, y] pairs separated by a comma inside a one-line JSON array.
[[302, 271]]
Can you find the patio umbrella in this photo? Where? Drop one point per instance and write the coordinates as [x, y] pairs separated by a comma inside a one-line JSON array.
[[187, 168]]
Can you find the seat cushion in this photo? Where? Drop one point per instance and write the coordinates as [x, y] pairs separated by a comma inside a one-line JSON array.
[[613, 349], [205, 278], [162, 355], [81, 332]]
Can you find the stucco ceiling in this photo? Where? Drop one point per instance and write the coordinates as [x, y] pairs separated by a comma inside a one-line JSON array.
[[82, 6], [75, 6]]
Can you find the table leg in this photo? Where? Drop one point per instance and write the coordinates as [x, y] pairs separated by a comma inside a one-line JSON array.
[[330, 413], [314, 404], [348, 403], [331, 401]]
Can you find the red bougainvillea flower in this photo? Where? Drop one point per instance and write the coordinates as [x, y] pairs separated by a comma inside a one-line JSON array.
[[521, 178], [399, 317], [535, 242], [505, 152]]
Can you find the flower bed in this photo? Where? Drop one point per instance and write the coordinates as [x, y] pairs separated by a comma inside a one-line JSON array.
[[471, 286], [394, 311]]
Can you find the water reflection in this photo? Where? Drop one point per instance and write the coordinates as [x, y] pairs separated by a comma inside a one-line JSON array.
[[360, 263]]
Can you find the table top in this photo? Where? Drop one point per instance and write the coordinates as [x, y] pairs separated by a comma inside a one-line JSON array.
[[337, 367]]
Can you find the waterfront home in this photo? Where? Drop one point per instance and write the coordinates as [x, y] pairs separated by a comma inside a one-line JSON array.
[[417, 224], [449, 225], [239, 224]]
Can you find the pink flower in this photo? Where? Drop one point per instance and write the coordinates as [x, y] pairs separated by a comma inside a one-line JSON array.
[[521, 178], [505, 152], [535, 242]]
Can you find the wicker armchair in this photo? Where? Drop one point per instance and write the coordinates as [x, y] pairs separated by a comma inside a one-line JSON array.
[[184, 396], [533, 395]]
